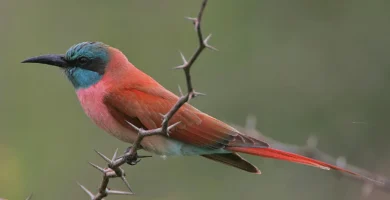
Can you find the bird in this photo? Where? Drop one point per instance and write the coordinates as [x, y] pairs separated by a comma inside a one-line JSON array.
[[117, 96]]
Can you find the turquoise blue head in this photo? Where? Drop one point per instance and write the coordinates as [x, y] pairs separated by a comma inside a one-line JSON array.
[[84, 63]]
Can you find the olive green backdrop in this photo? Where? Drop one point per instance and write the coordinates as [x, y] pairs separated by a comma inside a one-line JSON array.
[[302, 67]]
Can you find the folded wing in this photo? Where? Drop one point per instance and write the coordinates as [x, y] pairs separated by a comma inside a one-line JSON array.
[[143, 107]]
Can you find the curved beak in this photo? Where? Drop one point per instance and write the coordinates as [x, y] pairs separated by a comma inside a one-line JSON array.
[[50, 59]]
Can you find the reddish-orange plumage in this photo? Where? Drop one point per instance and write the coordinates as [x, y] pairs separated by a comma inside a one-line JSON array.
[[195, 127], [283, 155], [114, 93], [133, 96]]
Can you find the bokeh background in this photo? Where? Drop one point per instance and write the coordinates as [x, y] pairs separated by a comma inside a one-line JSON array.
[[302, 67]]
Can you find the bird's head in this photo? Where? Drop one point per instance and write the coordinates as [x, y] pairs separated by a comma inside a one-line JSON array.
[[84, 63]]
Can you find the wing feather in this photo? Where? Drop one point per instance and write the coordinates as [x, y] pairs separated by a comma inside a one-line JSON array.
[[143, 107]]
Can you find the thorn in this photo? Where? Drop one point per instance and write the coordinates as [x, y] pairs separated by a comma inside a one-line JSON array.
[[367, 189], [211, 47], [207, 38], [195, 94], [103, 156], [172, 126], [312, 142], [205, 42], [185, 63], [341, 162], [97, 167], [180, 91], [114, 156], [164, 157], [380, 180], [86, 190], [126, 183], [180, 67], [195, 21], [132, 125], [359, 123], [250, 123], [123, 173], [164, 120], [183, 58], [118, 192], [29, 196]]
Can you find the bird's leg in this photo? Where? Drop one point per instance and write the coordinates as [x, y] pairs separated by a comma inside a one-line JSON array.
[[133, 159]]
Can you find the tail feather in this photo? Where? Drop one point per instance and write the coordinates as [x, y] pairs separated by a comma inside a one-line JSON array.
[[287, 156]]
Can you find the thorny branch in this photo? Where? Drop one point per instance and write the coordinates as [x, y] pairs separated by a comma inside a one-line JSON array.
[[371, 181], [114, 170]]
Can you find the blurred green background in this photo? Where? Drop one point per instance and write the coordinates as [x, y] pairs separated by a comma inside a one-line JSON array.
[[302, 67]]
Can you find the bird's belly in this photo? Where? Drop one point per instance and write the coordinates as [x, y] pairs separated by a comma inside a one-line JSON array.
[[91, 100]]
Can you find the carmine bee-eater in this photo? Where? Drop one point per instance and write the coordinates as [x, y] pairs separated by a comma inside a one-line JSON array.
[[114, 93]]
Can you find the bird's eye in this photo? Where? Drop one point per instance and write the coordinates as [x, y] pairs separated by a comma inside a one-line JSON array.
[[83, 60]]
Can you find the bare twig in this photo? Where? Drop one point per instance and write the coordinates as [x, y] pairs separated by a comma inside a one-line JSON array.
[[29, 196], [114, 170], [370, 179]]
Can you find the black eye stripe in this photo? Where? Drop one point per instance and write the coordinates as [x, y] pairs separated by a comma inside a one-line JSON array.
[[82, 60], [95, 64]]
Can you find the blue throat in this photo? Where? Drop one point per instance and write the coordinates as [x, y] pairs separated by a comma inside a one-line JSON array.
[[82, 78]]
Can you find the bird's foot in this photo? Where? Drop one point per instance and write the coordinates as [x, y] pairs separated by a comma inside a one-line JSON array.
[[133, 160]]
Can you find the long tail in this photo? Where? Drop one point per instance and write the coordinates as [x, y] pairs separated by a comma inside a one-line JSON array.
[[291, 157]]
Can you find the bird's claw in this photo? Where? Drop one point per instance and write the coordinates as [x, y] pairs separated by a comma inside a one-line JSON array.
[[133, 160]]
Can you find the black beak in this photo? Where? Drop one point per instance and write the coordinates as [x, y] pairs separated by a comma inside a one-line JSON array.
[[51, 59]]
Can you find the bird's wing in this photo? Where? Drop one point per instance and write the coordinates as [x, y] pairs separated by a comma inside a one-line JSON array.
[[143, 107]]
